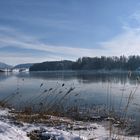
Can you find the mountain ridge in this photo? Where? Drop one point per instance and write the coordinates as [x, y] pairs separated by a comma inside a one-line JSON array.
[[5, 66]]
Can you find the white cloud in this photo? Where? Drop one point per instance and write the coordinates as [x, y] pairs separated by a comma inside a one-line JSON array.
[[128, 41], [125, 43], [20, 40], [136, 16]]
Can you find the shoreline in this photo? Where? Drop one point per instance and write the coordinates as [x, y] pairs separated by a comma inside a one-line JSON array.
[[11, 128]]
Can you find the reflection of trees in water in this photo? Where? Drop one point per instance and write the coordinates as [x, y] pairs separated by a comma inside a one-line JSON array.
[[104, 77], [4, 76], [84, 76]]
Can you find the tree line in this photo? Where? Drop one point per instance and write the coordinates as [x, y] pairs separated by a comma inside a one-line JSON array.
[[91, 63]]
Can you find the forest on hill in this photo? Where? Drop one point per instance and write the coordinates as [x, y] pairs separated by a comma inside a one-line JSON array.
[[91, 63]]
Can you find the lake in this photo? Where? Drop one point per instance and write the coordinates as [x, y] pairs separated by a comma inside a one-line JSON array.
[[87, 88]]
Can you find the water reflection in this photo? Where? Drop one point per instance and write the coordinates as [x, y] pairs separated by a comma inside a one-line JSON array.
[[84, 76], [91, 88], [4, 75], [94, 90]]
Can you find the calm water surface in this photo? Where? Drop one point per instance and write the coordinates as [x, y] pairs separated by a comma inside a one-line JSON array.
[[91, 88]]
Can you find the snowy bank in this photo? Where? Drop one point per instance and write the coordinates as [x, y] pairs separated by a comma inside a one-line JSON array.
[[11, 130]]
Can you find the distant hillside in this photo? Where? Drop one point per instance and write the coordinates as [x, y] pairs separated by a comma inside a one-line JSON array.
[[27, 66], [4, 66], [53, 65], [92, 63]]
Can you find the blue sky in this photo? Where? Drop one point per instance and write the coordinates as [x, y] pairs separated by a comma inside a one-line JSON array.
[[46, 30]]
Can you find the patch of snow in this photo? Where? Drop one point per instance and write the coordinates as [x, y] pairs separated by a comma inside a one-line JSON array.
[[79, 131], [93, 131], [4, 112], [8, 132], [61, 135]]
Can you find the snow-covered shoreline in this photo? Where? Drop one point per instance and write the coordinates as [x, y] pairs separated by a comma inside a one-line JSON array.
[[11, 130]]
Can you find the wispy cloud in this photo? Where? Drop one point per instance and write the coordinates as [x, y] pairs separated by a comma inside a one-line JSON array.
[[128, 41], [11, 37], [135, 16]]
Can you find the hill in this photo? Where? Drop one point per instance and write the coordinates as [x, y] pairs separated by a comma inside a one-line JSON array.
[[5, 66], [26, 66], [53, 65]]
